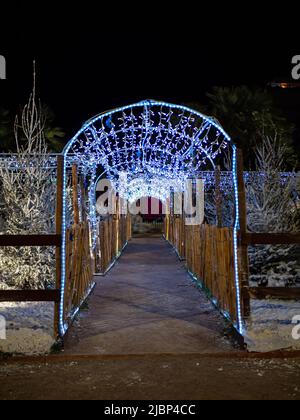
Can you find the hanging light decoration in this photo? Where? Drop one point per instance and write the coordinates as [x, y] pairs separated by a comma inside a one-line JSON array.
[[148, 148]]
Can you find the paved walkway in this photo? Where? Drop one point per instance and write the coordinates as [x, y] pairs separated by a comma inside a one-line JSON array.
[[147, 304]]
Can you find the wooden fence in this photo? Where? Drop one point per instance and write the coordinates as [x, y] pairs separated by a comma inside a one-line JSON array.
[[51, 240], [114, 233], [79, 268], [81, 261], [175, 233], [208, 250], [209, 255], [247, 239]]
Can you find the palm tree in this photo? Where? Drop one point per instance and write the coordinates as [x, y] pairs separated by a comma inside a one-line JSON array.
[[55, 136], [247, 115]]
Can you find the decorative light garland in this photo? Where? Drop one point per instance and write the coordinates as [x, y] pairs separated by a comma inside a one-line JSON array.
[[150, 186], [235, 242], [11, 162]]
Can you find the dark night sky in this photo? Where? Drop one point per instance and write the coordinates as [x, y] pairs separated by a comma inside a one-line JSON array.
[[92, 62]]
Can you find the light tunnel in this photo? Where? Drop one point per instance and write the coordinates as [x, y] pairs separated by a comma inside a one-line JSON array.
[[147, 150]]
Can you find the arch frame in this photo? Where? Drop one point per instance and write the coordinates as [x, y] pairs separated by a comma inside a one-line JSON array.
[[62, 326]]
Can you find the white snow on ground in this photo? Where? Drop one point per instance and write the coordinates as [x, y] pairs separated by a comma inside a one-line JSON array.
[[29, 328], [270, 326]]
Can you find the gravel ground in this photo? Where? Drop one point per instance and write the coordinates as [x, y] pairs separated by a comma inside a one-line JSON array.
[[182, 377]]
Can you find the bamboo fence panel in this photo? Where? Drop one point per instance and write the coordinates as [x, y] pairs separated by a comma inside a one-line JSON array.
[[210, 257], [79, 272], [167, 227], [175, 233], [114, 233]]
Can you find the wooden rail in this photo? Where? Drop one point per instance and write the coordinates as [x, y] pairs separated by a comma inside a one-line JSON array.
[[30, 240], [281, 293], [269, 238], [30, 296]]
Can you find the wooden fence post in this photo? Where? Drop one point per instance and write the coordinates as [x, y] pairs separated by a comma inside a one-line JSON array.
[[243, 249], [58, 221]]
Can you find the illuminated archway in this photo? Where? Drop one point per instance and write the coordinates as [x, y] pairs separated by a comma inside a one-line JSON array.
[[155, 147]]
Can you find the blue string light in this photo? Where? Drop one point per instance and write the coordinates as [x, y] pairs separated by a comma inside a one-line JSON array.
[[62, 326], [235, 239]]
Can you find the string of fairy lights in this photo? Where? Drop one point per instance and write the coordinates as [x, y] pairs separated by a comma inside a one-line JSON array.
[[12, 162], [155, 146]]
